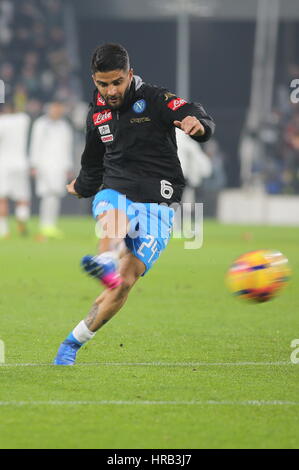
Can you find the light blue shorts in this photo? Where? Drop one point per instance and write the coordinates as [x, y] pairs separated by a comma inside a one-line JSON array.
[[150, 224]]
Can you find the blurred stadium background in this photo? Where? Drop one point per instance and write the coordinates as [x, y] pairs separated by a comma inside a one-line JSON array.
[[237, 58], [184, 365]]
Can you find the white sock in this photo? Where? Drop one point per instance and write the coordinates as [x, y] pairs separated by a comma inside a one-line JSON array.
[[81, 333], [4, 230], [22, 213]]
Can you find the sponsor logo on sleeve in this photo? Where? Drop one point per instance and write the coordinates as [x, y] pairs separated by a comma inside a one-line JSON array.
[[101, 118], [107, 138], [100, 100], [176, 103], [104, 129]]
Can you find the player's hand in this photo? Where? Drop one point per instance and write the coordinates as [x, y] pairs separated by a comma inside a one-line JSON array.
[[191, 126], [71, 189]]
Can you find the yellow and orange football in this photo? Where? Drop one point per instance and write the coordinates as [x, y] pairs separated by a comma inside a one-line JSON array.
[[258, 275]]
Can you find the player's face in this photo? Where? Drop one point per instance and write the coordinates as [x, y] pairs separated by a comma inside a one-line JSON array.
[[56, 111], [113, 86]]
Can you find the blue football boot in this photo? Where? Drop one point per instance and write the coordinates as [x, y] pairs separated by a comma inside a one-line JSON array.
[[66, 355]]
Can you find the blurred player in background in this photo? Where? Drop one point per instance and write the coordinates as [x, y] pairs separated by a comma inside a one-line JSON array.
[[195, 163], [196, 166], [51, 159], [130, 163], [14, 169]]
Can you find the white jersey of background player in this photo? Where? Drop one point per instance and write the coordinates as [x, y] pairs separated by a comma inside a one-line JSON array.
[[196, 165], [51, 159], [14, 169]]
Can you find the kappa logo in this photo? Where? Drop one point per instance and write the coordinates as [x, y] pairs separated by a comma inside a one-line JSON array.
[[101, 118], [107, 138], [104, 129], [139, 106], [176, 103], [100, 100], [168, 95]]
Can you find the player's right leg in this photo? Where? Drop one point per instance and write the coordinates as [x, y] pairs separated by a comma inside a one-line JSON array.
[[104, 266]]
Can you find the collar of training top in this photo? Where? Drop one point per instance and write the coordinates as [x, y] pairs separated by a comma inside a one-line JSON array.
[[136, 84]]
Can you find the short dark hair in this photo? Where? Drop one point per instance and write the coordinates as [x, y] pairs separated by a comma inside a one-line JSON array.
[[109, 57]]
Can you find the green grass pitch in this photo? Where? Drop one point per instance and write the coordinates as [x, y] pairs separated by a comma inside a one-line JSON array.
[[183, 365]]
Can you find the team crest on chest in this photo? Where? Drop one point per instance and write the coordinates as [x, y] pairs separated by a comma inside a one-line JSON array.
[[139, 106]]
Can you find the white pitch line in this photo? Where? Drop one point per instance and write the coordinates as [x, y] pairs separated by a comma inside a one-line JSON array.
[[152, 403], [159, 364]]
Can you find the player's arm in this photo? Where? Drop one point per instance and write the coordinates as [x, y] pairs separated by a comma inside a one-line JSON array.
[[91, 174], [191, 118]]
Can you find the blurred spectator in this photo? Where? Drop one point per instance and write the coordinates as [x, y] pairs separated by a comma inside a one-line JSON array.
[[280, 140], [217, 180], [6, 16], [269, 136], [291, 154], [14, 174], [51, 158], [33, 50]]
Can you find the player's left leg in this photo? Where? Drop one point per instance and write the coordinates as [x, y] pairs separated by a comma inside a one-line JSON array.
[[22, 213], [21, 195], [49, 211], [4, 229], [103, 309]]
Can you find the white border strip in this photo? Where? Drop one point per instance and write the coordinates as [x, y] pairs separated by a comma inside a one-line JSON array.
[[152, 403], [159, 364]]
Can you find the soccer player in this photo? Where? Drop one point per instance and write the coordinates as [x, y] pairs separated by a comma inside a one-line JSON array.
[[14, 169], [130, 164], [51, 159]]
